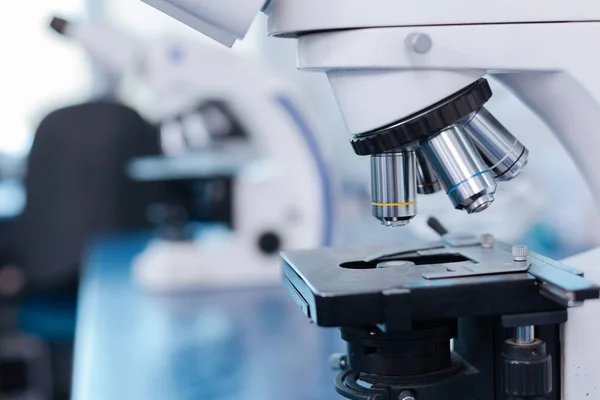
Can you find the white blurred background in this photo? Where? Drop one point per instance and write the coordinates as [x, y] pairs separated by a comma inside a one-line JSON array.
[[39, 71]]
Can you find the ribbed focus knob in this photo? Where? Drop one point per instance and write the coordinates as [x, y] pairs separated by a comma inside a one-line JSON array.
[[520, 253], [526, 370]]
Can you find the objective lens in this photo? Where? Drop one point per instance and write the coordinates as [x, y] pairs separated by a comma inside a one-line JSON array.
[[501, 151], [467, 180], [427, 180], [394, 187]]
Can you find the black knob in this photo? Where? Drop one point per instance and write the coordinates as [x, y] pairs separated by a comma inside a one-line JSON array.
[[526, 370], [437, 226], [59, 25], [269, 243]]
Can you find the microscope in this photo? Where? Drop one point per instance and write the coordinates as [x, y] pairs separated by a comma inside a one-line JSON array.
[[464, 317], [232, 134]]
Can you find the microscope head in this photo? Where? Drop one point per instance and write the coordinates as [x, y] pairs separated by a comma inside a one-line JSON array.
[[424, 129], [455, 144]]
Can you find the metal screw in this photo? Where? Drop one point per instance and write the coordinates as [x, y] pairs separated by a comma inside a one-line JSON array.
[[487, 241], [524, 334], [338, 362], [406, 395], [419, 42], [520, 253]]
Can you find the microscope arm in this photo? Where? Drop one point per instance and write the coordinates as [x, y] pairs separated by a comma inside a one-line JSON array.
[[570, 110]]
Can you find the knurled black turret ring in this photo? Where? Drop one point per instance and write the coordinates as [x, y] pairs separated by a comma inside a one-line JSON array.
[[426, 122]]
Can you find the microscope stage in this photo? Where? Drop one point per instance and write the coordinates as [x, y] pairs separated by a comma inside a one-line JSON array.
[[395, 286]]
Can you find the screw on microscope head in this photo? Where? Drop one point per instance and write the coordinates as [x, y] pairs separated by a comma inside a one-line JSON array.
[[487, 241], [520, 253], [406, 395], [419, 42], [59, 25], [338, 362]]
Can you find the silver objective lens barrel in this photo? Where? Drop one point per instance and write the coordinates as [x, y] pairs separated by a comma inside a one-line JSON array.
[[502, 152], [467, 180], [394, 187], [427, 180]]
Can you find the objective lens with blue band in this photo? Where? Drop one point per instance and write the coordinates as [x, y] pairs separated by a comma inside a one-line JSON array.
[[467, 180], [501, 151], [456, 161]]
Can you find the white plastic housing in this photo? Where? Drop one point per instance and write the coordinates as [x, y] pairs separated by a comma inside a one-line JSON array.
[[223, 20], [384, 97], [289, 17]]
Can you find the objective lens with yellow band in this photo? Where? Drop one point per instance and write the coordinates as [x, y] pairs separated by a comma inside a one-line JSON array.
[[409, 203], [394, 187]]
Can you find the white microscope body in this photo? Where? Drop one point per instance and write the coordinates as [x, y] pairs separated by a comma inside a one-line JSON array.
[[389, 59], [284, 189]]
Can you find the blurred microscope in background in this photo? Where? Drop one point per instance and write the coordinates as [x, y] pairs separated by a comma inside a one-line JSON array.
[[229, 129], [211, 170]]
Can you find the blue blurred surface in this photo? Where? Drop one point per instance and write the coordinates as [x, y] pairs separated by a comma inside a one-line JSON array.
[[236, 344]]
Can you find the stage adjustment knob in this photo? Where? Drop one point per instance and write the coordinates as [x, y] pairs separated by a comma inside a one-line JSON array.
[[526, 370]]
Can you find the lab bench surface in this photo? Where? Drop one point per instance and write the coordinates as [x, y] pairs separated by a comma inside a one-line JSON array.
[[243, 344]]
